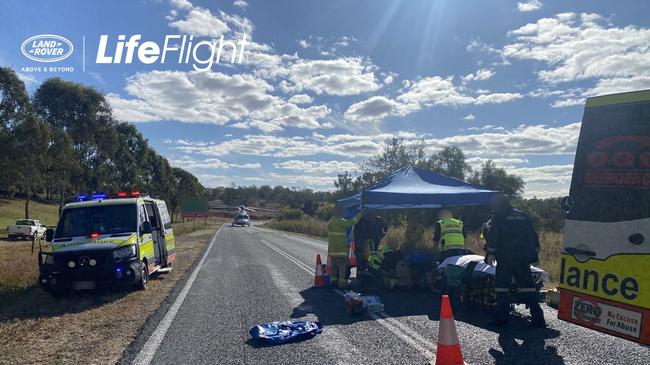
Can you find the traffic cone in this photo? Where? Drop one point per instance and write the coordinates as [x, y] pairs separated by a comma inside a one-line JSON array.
[[328, 270], [319, 279], [352, 257], [448, 352]]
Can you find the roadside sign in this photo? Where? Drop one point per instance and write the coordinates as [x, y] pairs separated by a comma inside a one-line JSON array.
[[194, 205]]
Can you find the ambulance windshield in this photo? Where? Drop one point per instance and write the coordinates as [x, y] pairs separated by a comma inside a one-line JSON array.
[[102, 219]]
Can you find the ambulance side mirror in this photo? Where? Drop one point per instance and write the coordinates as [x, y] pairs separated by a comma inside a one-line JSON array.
[[566, 204], [146, 228], [49, 235]]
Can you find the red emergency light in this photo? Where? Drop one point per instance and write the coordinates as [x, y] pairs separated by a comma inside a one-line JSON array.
[[135, 194], [121, 194], [94, 235]]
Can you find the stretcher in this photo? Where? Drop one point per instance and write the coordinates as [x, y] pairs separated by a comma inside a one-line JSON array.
[[471, 280]]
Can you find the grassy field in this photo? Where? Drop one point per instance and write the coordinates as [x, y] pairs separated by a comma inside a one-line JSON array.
[[308, 226], [12, 210], [36, 328], [550, 242]]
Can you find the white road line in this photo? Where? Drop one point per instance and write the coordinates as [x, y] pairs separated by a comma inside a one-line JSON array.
[[149, 349], [399, 329]]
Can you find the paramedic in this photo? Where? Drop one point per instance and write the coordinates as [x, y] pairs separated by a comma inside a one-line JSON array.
[[368, 233], [450, 235], [514, 244], [337, 245]]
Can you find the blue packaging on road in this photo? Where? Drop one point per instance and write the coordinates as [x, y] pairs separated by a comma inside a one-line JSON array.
[[282, 332]]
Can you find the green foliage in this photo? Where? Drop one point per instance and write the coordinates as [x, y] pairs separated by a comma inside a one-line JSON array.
[[309, 226], [494, 178], [290, 214], [325, 211], [280, 195], [66, 141]]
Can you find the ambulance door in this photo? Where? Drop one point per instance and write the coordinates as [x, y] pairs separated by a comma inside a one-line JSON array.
[[157, 233], [604, 276]]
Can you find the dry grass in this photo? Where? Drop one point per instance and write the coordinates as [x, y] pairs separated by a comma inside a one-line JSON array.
[[18, 267], [91, 328], [550, 242], [308, 226]]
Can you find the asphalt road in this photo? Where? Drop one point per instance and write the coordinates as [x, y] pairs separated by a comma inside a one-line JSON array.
[[253, 275]]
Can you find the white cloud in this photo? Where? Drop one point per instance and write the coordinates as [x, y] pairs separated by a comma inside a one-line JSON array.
[[303, 43], [469, 117], [200, 21], [181, 4], [421, 94], [341, 76], [578, 47], [373, 109], [530, 5], [301, 99], [242, 4], [188, 163], [263, 126], [497, 98], [322, 182], [483, 74], [317, 167], [210, 97], [523, 140]]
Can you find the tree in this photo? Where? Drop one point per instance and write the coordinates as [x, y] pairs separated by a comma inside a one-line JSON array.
[[14, 108], [85, 115], [344, 184], [30, 161], [492, 177], [62, 165], [450, 161]]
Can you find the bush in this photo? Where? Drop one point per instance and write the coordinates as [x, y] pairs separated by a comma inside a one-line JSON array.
[[308, 226], [325, 211], [290, 214]]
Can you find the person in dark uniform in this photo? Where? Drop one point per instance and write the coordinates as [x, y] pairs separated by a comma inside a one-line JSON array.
[[370, 230], [511, 240]]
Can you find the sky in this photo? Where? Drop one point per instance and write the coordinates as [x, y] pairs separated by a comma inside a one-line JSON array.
[[318, 86]]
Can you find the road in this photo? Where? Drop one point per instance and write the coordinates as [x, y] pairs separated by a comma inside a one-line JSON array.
[[253, 275]]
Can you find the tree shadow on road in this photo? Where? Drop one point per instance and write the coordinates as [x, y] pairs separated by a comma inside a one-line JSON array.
[[517, 340], [330, 309], [523, 343]]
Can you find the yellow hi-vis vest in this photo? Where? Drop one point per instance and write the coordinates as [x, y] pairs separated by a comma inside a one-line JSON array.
[[337, 243], [451, 234], [377, 258]]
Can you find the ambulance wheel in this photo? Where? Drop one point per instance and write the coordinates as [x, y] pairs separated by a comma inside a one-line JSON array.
[[144, 277]]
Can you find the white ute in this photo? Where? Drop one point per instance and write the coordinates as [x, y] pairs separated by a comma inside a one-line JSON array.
[[26, 228]]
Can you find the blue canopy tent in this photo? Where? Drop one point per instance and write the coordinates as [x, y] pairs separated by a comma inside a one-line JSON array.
[[411, 187]]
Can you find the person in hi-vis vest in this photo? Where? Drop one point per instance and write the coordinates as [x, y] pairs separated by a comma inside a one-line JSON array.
[[450, 235]]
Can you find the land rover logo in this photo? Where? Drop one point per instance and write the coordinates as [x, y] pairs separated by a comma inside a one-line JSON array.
[[47, 48]]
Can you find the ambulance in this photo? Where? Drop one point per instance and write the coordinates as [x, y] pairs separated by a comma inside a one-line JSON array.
[[605, 263], [106, 241]]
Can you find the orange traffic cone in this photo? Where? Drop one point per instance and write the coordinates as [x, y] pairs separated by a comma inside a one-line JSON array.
[[319, 279], [448, 352], [328, 269], [352, 257]]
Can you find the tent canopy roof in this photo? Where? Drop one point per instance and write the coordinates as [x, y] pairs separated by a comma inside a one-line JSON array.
[[411, 187]]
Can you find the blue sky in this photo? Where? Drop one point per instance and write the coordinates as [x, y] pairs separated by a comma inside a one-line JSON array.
[[323, 83]]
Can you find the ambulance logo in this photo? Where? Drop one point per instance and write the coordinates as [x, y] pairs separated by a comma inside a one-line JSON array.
[[47, 48], [586, 311]]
